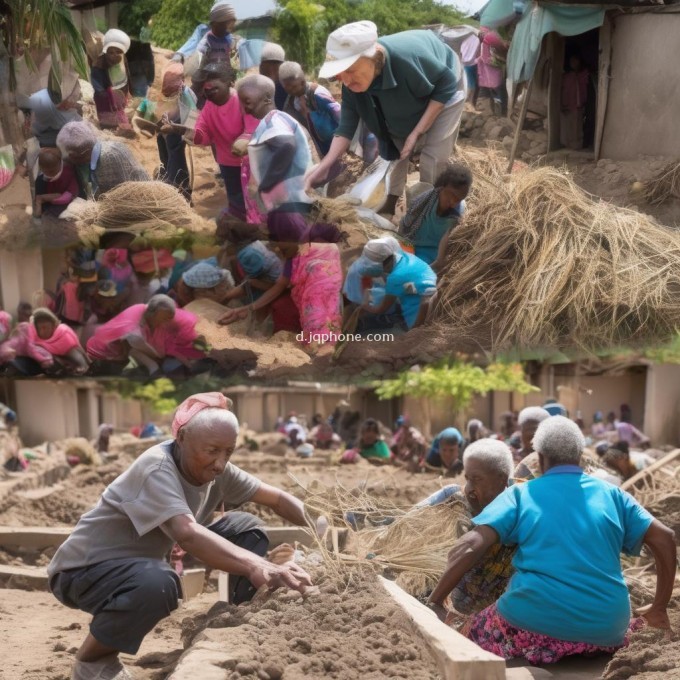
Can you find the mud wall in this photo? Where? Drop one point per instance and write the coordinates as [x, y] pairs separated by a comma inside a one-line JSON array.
[[661, 421], [644, 90]]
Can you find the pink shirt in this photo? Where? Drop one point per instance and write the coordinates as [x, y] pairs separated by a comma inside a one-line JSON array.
[[222, 126], [489, 76]]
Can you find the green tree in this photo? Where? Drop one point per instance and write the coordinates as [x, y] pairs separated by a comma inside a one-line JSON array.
[[134, 16], [458, 380], [303, 19], [27, 28], [158, 395], [177, 20], [391, 16]]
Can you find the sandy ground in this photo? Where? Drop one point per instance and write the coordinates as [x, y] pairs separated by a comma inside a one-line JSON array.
[[350, 630]]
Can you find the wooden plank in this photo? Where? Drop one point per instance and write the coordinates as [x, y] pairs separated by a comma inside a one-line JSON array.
[[33, 537], [457, 657], [629, 483], [24, 577], [603, 79], [192, 583], [44, 537], [520, 123], [223, 586]]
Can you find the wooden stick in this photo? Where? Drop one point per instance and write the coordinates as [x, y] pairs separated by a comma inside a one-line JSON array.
[[520, 124], [648, 470]]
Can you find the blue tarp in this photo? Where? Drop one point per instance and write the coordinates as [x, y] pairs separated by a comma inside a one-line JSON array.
[[537, 21]]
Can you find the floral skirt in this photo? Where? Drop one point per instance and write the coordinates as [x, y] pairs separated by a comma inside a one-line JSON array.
[[495, 634]]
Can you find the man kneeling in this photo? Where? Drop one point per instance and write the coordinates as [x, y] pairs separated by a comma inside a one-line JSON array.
[[113, 565]]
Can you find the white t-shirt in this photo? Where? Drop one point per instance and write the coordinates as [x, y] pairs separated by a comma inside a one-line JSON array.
[[126, 522]]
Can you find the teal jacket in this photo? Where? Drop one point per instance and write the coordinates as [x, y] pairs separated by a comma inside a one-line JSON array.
[[418, 68]]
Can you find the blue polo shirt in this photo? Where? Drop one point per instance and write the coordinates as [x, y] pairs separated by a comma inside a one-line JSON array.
[[570, 530]]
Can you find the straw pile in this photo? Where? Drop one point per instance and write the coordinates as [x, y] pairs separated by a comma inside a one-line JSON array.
[[413, 547], [663, 186], [539, 263], [153, 211], [82, 449]]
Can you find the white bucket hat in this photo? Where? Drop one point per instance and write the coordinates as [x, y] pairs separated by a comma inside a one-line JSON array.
[[116, 38], [347, 44]]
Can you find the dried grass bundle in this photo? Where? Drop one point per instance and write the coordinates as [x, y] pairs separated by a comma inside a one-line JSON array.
[[663, 186], [539, 263], [155, 211], [414, 546]]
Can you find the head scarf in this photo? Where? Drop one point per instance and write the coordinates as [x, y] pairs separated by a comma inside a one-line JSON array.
[[194, 405], [173, 77], [222, 11], [379, 249], [203, 275], [252, 258]]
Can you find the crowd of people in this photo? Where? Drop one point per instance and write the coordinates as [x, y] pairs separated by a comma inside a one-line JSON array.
[[522, 593], [405, 445], [265, 130]]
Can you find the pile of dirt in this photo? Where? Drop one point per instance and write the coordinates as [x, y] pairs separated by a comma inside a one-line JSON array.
[[350, 630], [651, 655], [232, 343]]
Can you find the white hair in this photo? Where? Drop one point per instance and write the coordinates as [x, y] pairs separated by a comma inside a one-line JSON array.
[[76, 137], [536, 414], [290, 70], [273, 52], [560, 440], [493, 453], [209, 417], [257, 82], [160, 301]]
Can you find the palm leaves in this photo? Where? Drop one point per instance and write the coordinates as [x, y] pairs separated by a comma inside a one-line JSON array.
[[28, 26]]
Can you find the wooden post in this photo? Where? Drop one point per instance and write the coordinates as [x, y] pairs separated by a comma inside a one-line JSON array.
[[629, 483], [520, 124], [555, 52], [604, 76]]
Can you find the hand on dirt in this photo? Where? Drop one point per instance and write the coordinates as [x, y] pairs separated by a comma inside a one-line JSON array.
[[288, 575], [316, 177], [233, 315], [655, 617]]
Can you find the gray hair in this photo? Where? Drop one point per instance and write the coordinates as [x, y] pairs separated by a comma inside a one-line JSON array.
[[560, 440], [493, 453], [290, 70], [532, 413], [209, 417], [259, 83], [158, 302], [76, 137]]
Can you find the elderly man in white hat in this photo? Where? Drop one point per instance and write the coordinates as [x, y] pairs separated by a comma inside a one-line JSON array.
[[407, 88], [110, 77], [408, 280]]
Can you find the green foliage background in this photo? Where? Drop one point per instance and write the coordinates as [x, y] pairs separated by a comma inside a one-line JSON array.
[[134, 16], [302, 26], [176, 21], [457, 379]]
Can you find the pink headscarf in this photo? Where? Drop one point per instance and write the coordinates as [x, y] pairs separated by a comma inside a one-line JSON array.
[[194, 405]]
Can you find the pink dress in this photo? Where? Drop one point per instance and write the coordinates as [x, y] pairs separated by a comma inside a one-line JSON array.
[[20, 345], [59, 344], [489, 76], [316, 283], [175, 338]]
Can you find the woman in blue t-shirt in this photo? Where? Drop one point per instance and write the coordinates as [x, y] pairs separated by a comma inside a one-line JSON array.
[[408, 280], [568, 595], [435, 213]]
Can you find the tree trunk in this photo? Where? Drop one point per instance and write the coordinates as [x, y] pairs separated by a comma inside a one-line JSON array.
[[10, 129]]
